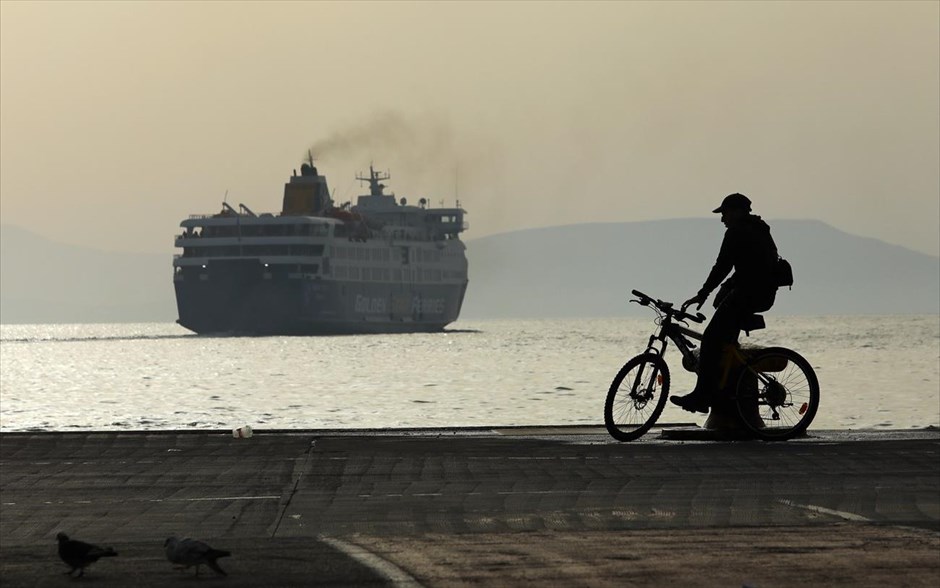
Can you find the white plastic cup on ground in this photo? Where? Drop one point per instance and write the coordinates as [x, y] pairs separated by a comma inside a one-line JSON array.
[[242, 432]]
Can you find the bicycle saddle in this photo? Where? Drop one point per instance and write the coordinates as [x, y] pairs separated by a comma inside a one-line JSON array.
[[752, 323]]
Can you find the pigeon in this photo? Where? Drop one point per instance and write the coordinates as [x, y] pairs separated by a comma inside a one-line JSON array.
[[189, 552], [79, 554]]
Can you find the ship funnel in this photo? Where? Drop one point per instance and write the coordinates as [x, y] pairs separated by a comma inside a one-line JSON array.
[[306, 194]]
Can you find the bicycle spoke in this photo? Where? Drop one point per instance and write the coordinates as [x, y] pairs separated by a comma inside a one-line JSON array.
[[784, 395], [636, 397]]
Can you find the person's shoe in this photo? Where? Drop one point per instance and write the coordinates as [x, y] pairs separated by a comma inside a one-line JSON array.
[[691, 402]]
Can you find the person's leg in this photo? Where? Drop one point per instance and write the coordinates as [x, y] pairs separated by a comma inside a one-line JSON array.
[[723, 329]]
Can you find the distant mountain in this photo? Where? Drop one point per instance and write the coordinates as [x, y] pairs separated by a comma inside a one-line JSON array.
[[42, 281], [589, 269], [570, 271]]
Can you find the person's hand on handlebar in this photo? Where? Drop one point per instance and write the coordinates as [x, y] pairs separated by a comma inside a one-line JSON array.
[[697, 299]]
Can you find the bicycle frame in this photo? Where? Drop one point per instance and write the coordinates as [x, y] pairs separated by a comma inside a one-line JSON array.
[[679, 335], [672, 330], [668, 331]]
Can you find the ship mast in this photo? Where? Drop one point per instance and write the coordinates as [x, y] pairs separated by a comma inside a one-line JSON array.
[[375, 188]]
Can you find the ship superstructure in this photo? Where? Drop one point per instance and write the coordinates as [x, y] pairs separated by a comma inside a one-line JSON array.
[[379, 266]]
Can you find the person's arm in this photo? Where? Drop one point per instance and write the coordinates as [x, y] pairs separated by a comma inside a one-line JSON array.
[[723, 266]]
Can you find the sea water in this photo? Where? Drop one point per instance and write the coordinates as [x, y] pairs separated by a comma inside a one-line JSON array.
[[874, 372]]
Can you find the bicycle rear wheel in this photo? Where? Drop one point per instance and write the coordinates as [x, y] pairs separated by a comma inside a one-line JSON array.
[[636, 397], [777, 394]]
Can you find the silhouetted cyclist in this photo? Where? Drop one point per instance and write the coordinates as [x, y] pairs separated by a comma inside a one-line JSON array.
[[750, 251]]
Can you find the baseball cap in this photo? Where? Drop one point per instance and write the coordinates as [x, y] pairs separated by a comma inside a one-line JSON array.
[[734, 202]]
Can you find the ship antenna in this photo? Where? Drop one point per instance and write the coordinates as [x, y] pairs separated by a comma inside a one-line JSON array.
[[225, 197]]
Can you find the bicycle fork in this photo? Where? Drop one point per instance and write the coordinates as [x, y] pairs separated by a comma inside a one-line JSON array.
[[641, 392]]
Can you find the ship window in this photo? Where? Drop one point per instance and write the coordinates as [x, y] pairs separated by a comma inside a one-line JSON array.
[[308, 250], [340, 230], [263, 250]]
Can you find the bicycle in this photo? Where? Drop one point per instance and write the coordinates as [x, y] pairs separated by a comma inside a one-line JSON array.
[[775, 390]]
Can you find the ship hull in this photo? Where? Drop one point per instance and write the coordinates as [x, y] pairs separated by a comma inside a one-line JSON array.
[[243, 297]]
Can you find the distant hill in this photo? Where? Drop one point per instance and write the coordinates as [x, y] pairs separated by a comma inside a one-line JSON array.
[[589, 269], [569, 271], [42, 281]]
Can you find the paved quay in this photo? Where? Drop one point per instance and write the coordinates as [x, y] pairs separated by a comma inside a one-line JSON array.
[[483, 506]]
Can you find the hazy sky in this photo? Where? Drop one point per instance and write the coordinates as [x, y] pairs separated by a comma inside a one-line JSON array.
[[119, 119]]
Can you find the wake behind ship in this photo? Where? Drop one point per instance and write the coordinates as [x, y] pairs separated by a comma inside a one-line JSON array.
[[381, 266]]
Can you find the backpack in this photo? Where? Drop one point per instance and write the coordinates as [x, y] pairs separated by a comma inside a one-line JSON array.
[[782, 273]]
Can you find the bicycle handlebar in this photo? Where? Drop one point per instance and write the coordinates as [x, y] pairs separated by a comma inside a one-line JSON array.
[[667, 307]]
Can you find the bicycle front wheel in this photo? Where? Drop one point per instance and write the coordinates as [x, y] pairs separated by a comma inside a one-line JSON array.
[[777, 394], [636, 397]]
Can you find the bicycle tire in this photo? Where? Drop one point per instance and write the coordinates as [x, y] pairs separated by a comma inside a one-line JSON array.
[[628, 413], [777, 394]]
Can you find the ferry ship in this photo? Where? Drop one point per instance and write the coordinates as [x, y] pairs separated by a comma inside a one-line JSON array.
[[379, 266]]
